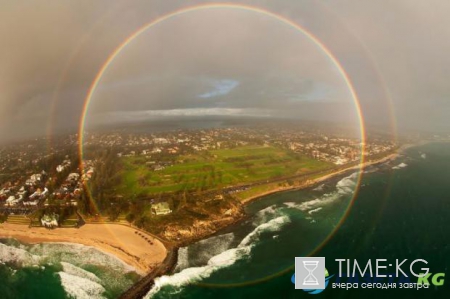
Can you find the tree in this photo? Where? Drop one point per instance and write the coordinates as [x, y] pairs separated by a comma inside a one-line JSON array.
[[130, 217]]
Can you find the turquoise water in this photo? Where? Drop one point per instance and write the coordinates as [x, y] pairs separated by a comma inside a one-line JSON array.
[[402, 211], [60, 270]]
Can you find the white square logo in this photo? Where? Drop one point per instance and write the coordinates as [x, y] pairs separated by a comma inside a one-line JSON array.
[[310, 273]]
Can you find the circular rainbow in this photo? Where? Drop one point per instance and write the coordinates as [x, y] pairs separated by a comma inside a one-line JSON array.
[[283, 20], [258, 10]]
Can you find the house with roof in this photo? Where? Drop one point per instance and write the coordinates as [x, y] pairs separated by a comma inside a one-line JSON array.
[[161, 208], [13, 201]]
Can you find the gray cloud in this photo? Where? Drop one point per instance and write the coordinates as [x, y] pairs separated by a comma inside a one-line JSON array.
[[228, 60], [220, 88]]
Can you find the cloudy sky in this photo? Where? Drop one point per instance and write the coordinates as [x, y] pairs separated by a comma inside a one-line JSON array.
[[222, 62]]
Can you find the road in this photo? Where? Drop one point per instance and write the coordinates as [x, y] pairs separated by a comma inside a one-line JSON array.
[[143, 286]]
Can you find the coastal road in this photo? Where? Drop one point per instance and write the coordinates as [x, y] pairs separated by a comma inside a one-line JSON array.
[[143, 286]]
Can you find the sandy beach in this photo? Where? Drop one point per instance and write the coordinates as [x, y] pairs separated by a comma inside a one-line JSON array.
[[116, 239]]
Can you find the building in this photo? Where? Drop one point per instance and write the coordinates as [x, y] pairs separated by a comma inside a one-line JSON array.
[[161, 208], [50, 221]]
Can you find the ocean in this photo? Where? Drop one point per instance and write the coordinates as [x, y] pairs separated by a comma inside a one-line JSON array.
[[402, 211], [60, 270]]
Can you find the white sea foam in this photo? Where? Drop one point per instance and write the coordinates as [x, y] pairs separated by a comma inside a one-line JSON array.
[[371, 169], [229, 257], [345, 186], [77, 271], [78, 254], [195, 274], [290, 204], [313, 204], [271, 226], [268, 210], [182, 259], [264, 215], [304, 206], [81, 288], [399, 166], [219, 261], [11, 254], [210, 247], [72, 257], [201, 252], [319, 188], [217, 243], [314, 210]]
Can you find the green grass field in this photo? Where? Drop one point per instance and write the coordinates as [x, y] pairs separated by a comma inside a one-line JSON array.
[[214, 169]]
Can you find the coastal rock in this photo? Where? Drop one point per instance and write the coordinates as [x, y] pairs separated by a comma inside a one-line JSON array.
[[202, 228]]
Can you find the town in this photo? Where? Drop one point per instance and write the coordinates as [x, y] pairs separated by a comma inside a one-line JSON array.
[[42, 179]]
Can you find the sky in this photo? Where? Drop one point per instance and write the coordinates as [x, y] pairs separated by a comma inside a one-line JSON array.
[[222, 62]]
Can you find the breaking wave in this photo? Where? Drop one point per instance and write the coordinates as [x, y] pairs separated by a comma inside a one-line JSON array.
[[399, 166], [182, 259], [348, 184], [314, 210], [217, 262], [319, 188], [271, 226], [265, 215], [79, 272], [371, 169], [201, 252], [195, 274], [78, 254], [344, 187], [81, 288], [73, 262], [270, 219], [18, 256]]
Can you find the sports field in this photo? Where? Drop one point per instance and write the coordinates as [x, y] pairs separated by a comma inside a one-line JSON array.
[[213, 169]]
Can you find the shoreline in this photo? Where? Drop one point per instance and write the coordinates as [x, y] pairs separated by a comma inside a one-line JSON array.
[[113, 239], [165, 258], [392, 156], [171, 261], [312, 182]]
